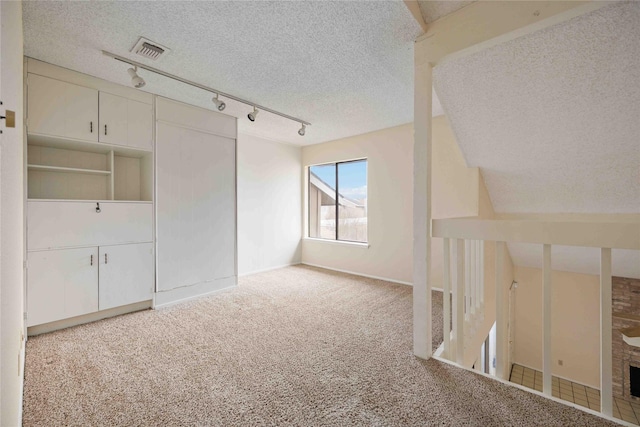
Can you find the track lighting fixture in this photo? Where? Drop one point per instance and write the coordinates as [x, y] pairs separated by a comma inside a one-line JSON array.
[[139, 82], [252, 115], [136, 80], [220, 105]]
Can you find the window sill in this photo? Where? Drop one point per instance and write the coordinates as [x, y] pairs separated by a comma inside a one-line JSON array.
[[338, 242]]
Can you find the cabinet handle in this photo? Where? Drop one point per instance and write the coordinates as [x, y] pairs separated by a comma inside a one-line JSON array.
[[106, 260], [98, 210], [91, 126], [105, 130], [92, 260]]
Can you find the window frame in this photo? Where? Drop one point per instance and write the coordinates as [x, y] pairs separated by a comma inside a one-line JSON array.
[[337, 204]]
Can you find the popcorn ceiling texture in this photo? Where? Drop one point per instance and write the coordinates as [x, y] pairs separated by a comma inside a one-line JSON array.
[[553, 118], [346, 67], [293, 347]]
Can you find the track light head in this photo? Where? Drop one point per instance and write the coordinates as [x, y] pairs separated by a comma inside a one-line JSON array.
[[220, 105], [252, 115], [136, 80], [302, 130]]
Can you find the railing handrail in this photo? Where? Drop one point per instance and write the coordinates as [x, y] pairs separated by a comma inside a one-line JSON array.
[[618, 235]]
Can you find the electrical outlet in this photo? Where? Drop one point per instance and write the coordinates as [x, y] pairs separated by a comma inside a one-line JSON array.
[[560, 362]]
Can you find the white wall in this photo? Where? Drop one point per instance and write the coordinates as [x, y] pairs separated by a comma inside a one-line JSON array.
[[11, 217], [269, 200]]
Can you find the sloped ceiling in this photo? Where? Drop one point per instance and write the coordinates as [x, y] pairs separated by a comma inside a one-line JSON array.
[[346, 67], [434, 10], [553, 118]]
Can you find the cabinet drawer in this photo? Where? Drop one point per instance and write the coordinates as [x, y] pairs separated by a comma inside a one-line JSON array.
[[52, 224]]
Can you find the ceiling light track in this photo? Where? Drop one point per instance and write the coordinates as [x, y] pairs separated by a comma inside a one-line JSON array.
[[255, 106]]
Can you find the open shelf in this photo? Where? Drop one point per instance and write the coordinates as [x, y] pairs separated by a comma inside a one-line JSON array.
[[61, 169]]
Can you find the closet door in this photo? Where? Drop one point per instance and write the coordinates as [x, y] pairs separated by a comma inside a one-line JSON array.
[[196, 203]]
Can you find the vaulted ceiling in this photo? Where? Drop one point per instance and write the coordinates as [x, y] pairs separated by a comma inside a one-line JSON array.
[[552, 119]]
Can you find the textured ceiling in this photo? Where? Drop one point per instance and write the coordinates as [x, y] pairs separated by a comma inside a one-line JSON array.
[[553, 118], [346, 67], [434, 10]]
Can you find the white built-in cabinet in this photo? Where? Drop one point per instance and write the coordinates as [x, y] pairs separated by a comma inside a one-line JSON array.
[[65, 283], [66, 110], [115, 175], [196, 200], [89, 209]]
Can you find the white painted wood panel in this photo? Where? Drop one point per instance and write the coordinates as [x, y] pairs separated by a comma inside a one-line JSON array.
[[62, 109], [53, 224], [126, 274], [195, 206], [139, 125], [64, 74], [61, 284], [126, 176], [125, 122], [113, 119], [67, 184], [195, 118]]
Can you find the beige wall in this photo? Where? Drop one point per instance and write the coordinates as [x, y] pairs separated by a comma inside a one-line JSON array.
[[268, 204], [11, 218], [390, 199], [575, 323], [389, 154]]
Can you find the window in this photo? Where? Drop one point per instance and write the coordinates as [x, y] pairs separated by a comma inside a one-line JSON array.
[[338, 190]]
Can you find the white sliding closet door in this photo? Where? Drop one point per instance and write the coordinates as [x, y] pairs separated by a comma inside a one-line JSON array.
[[196, 206]]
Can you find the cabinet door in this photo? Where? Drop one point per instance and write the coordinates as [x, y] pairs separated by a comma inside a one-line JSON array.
[[140, 125], [78, 224], [125, 122], [113, 119], [126, 274], [61, 284], [62, 109]]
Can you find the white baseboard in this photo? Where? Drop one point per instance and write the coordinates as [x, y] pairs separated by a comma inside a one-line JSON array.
[[179, 295], [264, 270], [86, 318], [386, 279]]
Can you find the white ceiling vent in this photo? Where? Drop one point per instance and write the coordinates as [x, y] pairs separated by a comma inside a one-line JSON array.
[[150, 50]]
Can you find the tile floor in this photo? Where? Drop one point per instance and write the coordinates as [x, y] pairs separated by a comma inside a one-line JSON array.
[[576, 393]]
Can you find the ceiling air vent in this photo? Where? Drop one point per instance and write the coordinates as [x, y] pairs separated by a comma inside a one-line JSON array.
[[148, 49]]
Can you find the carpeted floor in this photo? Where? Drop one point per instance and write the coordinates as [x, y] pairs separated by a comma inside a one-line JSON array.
[[297, 346]]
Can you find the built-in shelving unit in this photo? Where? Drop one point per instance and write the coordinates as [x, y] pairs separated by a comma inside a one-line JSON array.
[[89, 224]]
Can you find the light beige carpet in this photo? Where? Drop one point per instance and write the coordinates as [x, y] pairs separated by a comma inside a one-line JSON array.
[[297, 346]]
